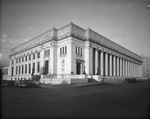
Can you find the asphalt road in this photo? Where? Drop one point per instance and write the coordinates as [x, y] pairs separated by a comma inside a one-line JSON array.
[[117, 101]]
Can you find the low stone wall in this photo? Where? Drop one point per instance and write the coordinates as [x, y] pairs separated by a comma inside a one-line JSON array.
[[55, 81], [75, 81]]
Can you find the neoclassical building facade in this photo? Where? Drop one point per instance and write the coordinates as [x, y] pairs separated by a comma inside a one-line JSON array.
[[68, 53]]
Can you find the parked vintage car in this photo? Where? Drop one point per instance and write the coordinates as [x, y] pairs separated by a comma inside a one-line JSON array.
[[130, 80], [8, 83]]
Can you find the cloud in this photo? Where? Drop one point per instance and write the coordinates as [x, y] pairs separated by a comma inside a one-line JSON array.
[[1, 54], [31, 28], [126, 6], [3, 38]]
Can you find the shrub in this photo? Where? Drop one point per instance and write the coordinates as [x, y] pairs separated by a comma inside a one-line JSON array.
[[133, 80], [126, 80], [10, 83], [31, 84], [130, 80]]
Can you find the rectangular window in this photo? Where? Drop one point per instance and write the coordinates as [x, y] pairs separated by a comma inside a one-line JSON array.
[[22, 69], [26, 58], [65, 49], [60, 51], [25, 68], [12, 71], [38, 55], [76, 50], [19, 60], [81, 51], [38, 66], [33, 69], [19, 69], [33, 56], [29, 68], [29, 57]]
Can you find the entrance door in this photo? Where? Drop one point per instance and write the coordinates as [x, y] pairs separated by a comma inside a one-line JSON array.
[[46, 66], [78, 67]]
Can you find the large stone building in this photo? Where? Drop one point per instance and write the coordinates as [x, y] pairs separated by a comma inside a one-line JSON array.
[[146, 67], [66, 54]]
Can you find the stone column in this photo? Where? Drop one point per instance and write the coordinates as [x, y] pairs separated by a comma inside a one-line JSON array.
[[120, 66], [106, 64], [10, 67], [96, 61], [127, 68], [110, 65], [41, 60], [35, 62], [131, 68], [91, 60], [87, 57], [108, 74], [140, 70], [27, 62], [14, 66], [21, 66], [31, 62], [102, 63], [137, 70], [117, 66], [114, 66], [99, 62]]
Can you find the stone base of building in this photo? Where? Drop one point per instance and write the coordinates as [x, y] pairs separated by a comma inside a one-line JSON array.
[[63, 79], [74, 79]]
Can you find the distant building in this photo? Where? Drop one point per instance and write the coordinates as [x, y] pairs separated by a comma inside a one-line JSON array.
[[146, 67], [5, 75], [66, 54]]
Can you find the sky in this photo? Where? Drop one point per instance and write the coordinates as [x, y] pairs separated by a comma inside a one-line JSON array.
[[126, 22]]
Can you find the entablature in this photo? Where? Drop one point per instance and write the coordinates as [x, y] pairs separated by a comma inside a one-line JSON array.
[[77, 32]]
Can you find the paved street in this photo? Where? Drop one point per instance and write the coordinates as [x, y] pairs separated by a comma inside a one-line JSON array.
[[117, 101]]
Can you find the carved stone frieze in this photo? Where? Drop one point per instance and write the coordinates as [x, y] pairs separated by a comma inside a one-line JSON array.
[[76, 31]]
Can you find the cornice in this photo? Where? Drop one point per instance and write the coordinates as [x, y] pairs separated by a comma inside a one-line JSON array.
[[77, 32]]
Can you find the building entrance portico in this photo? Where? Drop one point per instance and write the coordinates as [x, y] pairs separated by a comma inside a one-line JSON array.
[[79, 66], [46, 66]]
